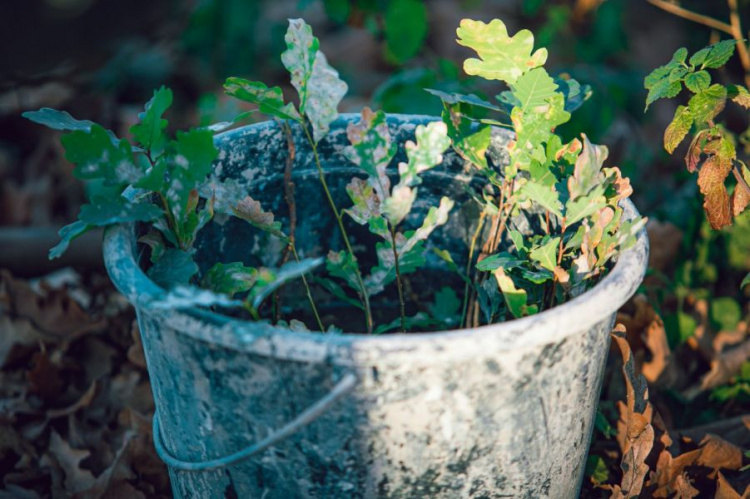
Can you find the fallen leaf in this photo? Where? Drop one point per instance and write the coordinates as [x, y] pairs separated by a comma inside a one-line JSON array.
[[724, 490], [683, 489], [726, 366], [635, 434], [76, 479], [717, 453]]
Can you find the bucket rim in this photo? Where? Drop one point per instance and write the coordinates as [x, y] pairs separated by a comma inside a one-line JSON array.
[[553, 325]]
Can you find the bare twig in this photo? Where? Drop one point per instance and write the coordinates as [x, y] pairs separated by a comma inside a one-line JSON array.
[[734, 19], [692, 16]]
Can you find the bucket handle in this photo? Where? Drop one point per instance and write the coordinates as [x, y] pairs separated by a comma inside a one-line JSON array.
[[343, 387]]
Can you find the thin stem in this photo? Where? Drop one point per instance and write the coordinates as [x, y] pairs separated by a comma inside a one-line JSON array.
[[309, 294], [472, 247], [399, 284], [734, 19], [363, 291], [692, 16]]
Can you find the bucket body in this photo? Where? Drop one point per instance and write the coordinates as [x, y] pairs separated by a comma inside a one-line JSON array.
[[504, 410]]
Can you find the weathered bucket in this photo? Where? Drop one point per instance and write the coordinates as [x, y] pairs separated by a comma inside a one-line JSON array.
[[250, 410]]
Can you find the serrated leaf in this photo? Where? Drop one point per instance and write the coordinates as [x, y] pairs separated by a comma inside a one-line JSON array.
[[534, 88], [700, 56], [741, 196], [663, 72], [545, 196], [149, 133], [587, 169], [251, 211], [229, 278], [546, 254], [67, 234], [502, 57], [101, 212], [190, 165], [499, 260], [299, 57], [270, 101], [739, 95], [191, 296], [711, 179], [698, 81], [269, 281], [678, 128], [663, 89], [706, 105], [719, 54], [96, 157], [677, 74], [174, 268]]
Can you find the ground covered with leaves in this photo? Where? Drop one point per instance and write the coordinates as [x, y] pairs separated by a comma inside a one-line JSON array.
[[75, 400]]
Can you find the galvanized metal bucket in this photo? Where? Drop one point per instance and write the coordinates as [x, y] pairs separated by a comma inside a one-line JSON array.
[[251, 410]]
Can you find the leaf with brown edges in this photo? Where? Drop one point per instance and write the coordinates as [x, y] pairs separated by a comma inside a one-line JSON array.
[[711, 179]]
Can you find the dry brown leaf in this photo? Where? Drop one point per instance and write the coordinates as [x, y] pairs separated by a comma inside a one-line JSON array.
[[711, 179], [740, 199], [717, 454], [656, 341], [683, 489], [635, 434], [724, 490], [82, 402], [76, 479], [44, 377]]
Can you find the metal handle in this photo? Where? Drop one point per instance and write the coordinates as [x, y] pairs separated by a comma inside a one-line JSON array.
[[343, 387]]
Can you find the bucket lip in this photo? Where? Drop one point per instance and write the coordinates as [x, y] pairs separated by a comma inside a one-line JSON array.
[[579, 314]]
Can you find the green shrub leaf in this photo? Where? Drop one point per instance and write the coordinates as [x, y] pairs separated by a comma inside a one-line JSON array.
[[229, 278], [698, 81], [707, 104], [678, 128]]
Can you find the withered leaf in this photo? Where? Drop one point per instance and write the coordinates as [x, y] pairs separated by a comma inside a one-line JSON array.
[[711, 179], [683, 489]]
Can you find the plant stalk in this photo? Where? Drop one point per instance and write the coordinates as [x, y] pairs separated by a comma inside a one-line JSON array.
[[399, 284], [363, 291]]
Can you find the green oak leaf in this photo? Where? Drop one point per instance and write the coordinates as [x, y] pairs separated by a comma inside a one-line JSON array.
[[678, 128], [447, 306], [299, 57], [190, 164], [470, 99], [342, 265], [372, 149], [575, 93], [67, 235], [470, 142], [103, 211], [584, 206], [534, 127], [515, 299], [97, 157], [319, 87], [534, 89], [366, 202], [705, 105], [502, 57], [546, 196], [698, 81], [149, 132], [499, 260], [270, 101], [546, 253], [174, 268], [57, 120], [229, 278]]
